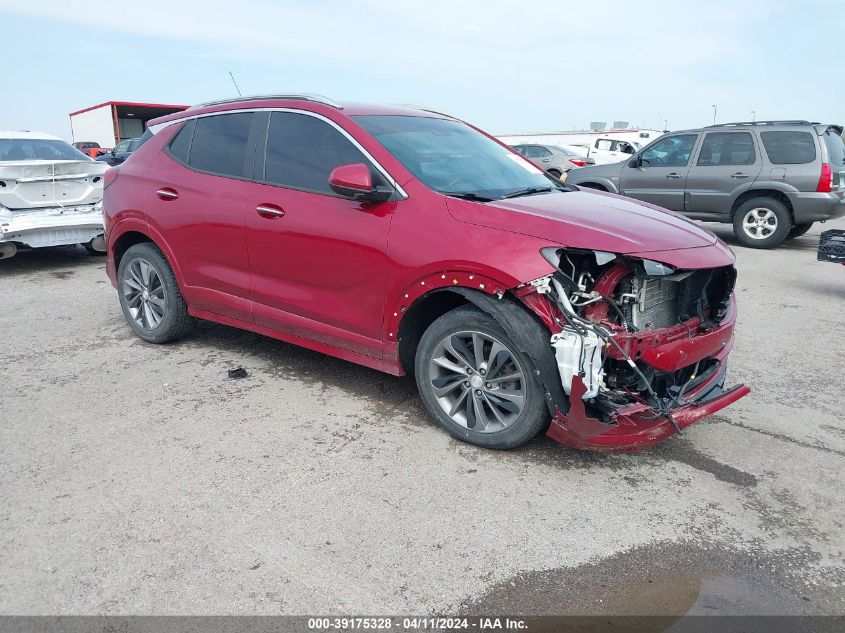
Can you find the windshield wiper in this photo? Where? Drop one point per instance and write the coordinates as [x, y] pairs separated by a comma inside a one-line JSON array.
[[468, 195], [528, 191]]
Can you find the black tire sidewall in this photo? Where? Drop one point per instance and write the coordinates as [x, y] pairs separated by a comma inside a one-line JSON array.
[[534, 415], [799, 229], [171, 326], [777, 237]]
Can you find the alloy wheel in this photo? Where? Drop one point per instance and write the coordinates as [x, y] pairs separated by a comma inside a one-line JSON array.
[[477, 381], [759, 223], [144, 294]]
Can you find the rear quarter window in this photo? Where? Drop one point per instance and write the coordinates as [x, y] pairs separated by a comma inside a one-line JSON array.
[[180, 146], [789, 148]]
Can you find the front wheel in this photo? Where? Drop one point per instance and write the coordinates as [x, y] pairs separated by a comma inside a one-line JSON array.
[[476, 383], [762, 223], [150, 297]]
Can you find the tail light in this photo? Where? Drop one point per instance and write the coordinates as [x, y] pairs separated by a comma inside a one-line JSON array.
[[826, 179], [110, 176], [577, 162]]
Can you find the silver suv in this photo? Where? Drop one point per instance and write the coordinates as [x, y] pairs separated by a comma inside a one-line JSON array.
[[771, 179]]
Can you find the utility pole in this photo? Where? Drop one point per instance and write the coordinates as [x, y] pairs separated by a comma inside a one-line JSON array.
[[753, 115], [715, 107], [235, 82]]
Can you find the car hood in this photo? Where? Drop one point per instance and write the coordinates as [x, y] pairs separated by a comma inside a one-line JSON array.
[[589, 220], [605, 170]]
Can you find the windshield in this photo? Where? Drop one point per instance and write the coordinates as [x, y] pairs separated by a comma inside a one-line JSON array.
[[452, 158], [17, 149]]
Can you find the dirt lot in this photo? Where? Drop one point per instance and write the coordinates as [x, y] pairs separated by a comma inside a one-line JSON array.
[[140, 479]]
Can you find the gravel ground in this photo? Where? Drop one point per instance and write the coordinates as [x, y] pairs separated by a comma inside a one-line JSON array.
[[138, 479]]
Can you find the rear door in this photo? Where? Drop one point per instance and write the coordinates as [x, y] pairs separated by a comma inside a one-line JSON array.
[[197, 200], [658, 174], [318, 260], [727, 163]]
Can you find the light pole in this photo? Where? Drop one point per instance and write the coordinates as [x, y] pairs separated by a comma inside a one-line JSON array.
[[715, 107], [753, 115]]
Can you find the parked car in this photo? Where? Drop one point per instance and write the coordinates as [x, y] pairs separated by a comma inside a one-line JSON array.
[[50, 194], [411, 242], [771, 179], [552, 159], [90, 148], [606, 150], [120, 152]]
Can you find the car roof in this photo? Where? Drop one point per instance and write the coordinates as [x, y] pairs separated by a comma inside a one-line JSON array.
[[313, 103], [25, 134]]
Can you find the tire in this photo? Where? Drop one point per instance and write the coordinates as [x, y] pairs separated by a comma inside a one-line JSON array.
[[149, 295], [762, 223], [554, 172], [798, 230], [505, 424]]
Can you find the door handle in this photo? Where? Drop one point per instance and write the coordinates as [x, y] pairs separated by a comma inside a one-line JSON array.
[[739, 174], [673, 176], [269, 211], [166, 193], [546, 160]]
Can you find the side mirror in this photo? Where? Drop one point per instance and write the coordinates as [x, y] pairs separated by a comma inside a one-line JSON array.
[[635, 162], [354, 181]]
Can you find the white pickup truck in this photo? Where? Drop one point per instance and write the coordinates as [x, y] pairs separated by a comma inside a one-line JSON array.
[[51, 194]]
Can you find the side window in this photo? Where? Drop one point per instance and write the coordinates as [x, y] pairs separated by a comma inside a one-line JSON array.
[[302, 151], [622, 146], [180, 145], [542, 152], [122, 146], [603, 143], [519, 149], [531, 151], [727, 148], [219, 144], [789, 148], [671, 151]]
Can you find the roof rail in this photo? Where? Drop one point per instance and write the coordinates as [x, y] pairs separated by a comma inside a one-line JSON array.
[[744, 123], [299, 96]]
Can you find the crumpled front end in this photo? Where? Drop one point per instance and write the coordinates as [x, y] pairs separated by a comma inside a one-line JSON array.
[[641, 347]]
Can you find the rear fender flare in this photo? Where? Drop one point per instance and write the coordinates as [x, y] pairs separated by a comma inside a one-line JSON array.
[[138, 225]]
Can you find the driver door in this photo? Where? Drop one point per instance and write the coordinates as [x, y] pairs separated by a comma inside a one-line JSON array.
[[318, 260], [659, 173]]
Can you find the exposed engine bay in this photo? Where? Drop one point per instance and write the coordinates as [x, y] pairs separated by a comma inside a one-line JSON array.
[[636, 336]]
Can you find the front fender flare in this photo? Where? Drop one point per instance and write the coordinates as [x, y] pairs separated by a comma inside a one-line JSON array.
[[531, 336]]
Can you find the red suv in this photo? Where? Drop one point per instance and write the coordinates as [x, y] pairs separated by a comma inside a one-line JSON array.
[[411, 242]]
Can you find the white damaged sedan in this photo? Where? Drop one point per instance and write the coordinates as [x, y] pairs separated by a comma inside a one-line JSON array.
[[51, 194]]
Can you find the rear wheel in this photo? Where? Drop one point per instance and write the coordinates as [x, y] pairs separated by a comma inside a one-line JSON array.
[[799, 229], [476, 382], [150, 297], [554, 172], [762, 223]]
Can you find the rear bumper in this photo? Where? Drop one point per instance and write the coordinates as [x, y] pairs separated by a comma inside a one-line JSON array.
[[636, 426], [811, 206], [51, 226]]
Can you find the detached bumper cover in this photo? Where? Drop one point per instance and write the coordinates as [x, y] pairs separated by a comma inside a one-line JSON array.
[[636, 426], [51, 226]]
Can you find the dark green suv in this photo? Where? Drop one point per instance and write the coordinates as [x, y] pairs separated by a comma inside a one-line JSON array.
[[770, 179]]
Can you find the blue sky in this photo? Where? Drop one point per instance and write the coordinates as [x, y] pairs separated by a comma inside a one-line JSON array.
[[507, 66]]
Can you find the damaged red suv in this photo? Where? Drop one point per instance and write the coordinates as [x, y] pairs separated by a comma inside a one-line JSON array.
[[411, 242]]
